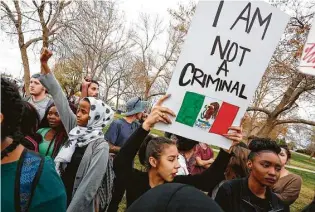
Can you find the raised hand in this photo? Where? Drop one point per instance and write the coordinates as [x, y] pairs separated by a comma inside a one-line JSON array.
[[45, 55], [236, 136], [158, 114]]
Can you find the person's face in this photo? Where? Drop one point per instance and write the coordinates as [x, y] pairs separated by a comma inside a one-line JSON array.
[[265, 168], [139, 116], [283, 156], [167, 165], [36, 88], [83, 113], [53, 117], [93, 90]]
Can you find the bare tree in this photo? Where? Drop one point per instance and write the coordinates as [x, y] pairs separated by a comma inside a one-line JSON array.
[[97, 37], [153, 63], [30, 23]]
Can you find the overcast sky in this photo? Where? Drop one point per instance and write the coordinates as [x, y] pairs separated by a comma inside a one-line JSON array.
[[10, 56]]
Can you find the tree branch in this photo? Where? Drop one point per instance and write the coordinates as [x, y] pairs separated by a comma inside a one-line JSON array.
[[267, 112], [295, 121]]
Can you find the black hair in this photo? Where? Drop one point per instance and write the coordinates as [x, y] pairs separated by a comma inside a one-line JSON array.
[[286, 148], [152, 147], [91, 81], [185, 144], [242, 144], [30, 124], [61, 134], [262, 144], [11, 109]]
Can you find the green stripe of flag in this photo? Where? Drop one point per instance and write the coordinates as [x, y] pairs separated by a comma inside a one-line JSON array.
[[190, 108]]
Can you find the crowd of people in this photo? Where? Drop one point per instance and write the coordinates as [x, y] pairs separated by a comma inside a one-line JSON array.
[[55, 156]]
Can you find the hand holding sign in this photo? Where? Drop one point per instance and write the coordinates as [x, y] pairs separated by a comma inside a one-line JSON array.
[[158, 114], [226, 51]]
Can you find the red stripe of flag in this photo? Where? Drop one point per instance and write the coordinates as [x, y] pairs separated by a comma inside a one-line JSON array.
[[224, 119]]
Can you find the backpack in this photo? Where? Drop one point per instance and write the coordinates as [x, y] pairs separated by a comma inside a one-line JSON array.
[[29, 169]]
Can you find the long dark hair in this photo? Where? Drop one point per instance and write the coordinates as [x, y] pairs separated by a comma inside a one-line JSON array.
[[152, 147], [30, 124], [11, 109], [61, 134]]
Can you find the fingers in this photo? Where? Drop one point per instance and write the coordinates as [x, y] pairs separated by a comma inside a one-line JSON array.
[[164, 117], [161, 100], [165, 110], [238, 129]]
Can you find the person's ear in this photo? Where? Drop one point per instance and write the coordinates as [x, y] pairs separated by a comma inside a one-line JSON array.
[[249, 165], [153, 162], [1, 118]]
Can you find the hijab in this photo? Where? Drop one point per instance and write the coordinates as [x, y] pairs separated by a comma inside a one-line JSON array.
[[100, 116]]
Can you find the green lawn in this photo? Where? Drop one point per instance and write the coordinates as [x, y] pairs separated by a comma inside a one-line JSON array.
[[302, 161], [307, 191]]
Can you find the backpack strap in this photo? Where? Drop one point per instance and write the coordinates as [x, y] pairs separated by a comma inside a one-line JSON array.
[[30, 167]]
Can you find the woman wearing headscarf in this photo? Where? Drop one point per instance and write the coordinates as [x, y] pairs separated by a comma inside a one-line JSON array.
[[83, 160]]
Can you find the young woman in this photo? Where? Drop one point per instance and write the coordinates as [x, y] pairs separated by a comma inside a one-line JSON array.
[[186, 159], [253, 193], [204, 158], [29, 126], [161, 159], [236, 168], [52, 131], [82, 161], [289, 185], [45, 192]]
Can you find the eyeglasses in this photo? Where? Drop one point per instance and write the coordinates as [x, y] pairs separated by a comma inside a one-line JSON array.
[[139, 99]]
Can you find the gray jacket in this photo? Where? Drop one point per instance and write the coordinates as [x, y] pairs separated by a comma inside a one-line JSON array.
[[94, 162]]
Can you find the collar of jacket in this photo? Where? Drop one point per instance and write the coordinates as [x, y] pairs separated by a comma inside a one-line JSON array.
[[273, 201]]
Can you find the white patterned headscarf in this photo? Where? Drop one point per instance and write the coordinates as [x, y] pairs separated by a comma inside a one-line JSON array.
[[100, 116]]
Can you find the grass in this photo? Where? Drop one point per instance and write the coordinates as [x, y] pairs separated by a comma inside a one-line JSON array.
[[302, 161], [307, 191], [308, 186]]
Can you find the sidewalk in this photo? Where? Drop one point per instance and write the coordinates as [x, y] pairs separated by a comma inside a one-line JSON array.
[[288, 166], [297, 168]]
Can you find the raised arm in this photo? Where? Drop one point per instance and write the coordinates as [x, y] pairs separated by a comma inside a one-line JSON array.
[[123, 161], [49, 81]]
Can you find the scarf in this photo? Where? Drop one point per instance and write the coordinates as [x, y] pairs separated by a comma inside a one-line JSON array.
[[100, 115]]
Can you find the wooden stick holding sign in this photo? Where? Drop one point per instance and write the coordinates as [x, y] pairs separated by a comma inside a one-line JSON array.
[[227, 50]]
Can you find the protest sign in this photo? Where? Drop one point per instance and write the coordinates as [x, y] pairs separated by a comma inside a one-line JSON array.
[[307, 64], [226, 51]]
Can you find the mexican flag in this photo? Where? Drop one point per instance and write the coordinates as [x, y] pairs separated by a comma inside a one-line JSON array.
[[207, 114]]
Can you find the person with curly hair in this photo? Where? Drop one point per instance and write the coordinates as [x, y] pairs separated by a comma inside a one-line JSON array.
[[29, 182], [254, 193]]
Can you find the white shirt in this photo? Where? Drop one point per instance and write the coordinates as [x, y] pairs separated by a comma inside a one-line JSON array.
[[183, 167]]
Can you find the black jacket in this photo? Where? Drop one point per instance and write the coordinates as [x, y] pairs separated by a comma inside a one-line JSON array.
[[234, 195]]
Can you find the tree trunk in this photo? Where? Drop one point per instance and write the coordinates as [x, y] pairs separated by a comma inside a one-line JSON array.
[[265, 131], [26, 68]]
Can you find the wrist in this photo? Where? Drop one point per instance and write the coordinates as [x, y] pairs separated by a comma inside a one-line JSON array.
[[146, 126]]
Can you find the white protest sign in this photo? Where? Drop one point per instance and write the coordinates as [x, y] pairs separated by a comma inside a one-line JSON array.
[[307, 64], [226, 52]]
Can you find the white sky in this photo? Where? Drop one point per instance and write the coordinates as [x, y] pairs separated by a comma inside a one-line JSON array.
[[10, 58]]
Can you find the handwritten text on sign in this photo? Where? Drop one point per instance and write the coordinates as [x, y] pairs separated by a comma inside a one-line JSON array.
[[307, 64], [227, 50]]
